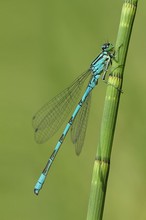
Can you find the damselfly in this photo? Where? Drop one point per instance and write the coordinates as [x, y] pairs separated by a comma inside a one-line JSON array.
[[51, 116]]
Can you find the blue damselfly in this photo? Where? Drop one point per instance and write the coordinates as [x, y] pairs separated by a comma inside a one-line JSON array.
[[51, 116]]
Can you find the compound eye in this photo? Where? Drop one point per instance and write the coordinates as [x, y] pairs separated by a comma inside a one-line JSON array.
[[105, 46]]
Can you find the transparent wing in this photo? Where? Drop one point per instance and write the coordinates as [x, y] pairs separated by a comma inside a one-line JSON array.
[[51, 116], [78, 129]]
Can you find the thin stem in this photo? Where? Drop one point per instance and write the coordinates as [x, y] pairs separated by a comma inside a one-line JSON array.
[[102, 160]]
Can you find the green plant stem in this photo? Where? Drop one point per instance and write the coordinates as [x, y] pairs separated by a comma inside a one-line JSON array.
[[102, 160]]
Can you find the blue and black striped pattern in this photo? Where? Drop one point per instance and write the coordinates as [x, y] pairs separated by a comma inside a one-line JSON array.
[[51, 116]]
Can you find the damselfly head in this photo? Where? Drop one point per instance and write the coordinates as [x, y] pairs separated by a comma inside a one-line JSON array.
[[107, 47]]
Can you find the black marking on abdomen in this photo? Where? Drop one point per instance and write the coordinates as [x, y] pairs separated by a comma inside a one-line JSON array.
[[71, 120], [61, 138], [80, 103]]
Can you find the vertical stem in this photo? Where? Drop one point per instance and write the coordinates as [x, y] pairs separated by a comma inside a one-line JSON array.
[[102, 160]]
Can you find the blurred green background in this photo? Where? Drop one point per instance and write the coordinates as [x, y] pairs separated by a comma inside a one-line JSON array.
[[45, 45]]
